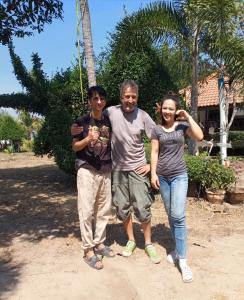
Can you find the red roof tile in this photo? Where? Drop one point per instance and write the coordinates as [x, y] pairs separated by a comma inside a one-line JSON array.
[[208, 92]]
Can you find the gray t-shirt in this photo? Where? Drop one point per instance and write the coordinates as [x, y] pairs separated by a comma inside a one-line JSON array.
[[127, 131], [171, 150]]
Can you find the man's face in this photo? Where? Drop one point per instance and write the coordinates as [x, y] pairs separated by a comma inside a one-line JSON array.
[[97, 103], [129, 99]]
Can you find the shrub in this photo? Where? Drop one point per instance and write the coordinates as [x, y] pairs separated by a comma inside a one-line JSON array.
[[27, 146], [54, 139], [209, 172], [217, 177], [8, 150], [196, 166], [147, 147], [10, 129]]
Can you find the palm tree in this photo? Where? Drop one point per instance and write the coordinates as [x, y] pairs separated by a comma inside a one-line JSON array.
[[87, 40], [226, 48], [193, 23]]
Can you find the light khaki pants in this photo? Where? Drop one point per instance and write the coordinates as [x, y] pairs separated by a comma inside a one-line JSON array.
[[94, 201]]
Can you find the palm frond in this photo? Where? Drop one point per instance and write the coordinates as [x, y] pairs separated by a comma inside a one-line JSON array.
[[232, 53], [156, 22]]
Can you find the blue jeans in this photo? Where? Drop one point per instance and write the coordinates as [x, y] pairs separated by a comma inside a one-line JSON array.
[[174, 191]]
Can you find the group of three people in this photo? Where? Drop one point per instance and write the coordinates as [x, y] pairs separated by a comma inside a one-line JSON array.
[[112, 139]]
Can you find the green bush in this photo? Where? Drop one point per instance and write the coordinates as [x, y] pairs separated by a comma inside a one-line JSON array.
[[196, 166], [10, 129], [27, 146], [8, 150], [209, 172], [147, 147], [54, 139], [217, 177]]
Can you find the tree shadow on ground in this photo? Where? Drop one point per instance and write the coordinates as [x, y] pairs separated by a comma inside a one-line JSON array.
[[35, 203], [39, 203], [10, 273], [160, 235]]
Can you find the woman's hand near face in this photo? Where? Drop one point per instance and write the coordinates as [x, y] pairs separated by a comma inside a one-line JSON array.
[[182, 115]]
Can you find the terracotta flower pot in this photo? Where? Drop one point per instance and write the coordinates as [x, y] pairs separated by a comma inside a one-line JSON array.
[[215, 196], [236, 196]]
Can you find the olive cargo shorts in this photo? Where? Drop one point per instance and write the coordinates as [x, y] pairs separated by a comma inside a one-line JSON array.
[[132, 190]]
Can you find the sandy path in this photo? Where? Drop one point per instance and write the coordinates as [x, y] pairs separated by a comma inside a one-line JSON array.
[[40, 245]]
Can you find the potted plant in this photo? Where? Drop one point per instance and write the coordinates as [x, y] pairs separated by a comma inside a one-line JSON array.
[[216, 180], [235, 195]]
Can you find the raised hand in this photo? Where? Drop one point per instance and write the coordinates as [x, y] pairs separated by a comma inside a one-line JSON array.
[[93, 133], [182, 115]]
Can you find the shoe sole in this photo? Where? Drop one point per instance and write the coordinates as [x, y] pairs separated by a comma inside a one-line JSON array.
[[155, 261], [127, 254], [188, 281]]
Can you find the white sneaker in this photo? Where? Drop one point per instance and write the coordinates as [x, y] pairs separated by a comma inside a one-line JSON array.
[[172, 257], [186, 272]]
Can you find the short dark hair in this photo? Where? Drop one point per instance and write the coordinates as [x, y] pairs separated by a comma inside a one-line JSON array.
[[128, 83], [169, 96], [96, 89]]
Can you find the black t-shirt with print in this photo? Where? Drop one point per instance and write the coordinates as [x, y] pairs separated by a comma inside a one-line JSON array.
[[97, 154]]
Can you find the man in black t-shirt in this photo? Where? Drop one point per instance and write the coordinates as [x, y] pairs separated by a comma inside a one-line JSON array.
[[93, 164]]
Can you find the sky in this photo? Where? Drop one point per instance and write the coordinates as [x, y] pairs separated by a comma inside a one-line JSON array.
[[56, 44]]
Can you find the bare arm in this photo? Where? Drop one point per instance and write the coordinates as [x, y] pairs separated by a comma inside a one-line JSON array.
[[154, 161], [193, 131]]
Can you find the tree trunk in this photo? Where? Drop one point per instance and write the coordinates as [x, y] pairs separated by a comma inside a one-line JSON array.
[[223, 113], [194, 87], [87, 40]]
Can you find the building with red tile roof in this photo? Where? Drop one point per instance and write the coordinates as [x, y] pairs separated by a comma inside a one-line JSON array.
[[208, 92], [208, 102]]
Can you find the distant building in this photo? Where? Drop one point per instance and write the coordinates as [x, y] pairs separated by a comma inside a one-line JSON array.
[[208, 104]]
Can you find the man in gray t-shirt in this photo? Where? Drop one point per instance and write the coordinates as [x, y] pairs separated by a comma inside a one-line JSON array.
[[131, 187]]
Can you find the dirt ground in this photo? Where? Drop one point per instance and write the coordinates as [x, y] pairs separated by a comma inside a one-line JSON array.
[[40, 256]]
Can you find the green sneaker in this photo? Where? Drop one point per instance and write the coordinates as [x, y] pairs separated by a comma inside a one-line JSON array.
[[129, 248], [152, 253]]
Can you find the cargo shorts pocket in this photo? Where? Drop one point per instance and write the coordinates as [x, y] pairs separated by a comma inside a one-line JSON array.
[[121, 201]]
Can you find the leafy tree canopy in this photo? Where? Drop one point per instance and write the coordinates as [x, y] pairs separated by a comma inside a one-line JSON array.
[[20, 17], [145, 67], [58, 99], [10, 129]]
